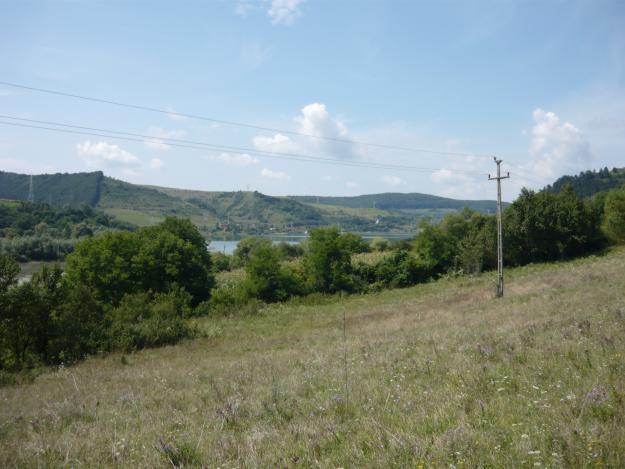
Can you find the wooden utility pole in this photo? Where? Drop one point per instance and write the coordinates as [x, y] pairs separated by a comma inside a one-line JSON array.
[[498, 178]]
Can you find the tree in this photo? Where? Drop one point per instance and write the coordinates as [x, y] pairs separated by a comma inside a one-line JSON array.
[[266, 279], [328, 262], [156, 258], [434, 248], [614, 215], [244, 249]]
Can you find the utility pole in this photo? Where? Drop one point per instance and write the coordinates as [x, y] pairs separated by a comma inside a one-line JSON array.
[[498, 178]]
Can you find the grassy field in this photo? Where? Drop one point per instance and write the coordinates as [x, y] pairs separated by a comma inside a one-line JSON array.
[[439, 375]]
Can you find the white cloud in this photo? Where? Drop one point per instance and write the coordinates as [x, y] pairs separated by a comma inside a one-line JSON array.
[[393, 181], [173, 115], [277, 175], [352, 185], [156, 163], [105, 155], [317, 121], [243, 7], [284, 11], [238, 159], [158, 134], [277, 144], [556, 148]]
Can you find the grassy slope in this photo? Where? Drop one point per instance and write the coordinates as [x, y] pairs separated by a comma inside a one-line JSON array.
[[438, 374]]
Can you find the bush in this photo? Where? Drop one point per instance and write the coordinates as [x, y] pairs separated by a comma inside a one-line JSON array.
[[246, 246], [328, 262], [266, 279], [221, 262], [380, 244], [155, 258], [148, 320], [614, 215]]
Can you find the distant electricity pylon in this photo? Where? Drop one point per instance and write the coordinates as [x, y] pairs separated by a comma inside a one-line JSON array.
[[31, 191], [498, 178]]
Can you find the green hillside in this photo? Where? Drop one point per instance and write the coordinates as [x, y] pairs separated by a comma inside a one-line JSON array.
[[236, 212], [54, 189], [399, 201], [588, 183]]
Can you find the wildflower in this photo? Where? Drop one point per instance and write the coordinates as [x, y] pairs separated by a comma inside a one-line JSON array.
[[525, 435], [534, 453]]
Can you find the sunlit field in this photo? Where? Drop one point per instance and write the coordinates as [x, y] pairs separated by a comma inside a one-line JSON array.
[[441, 374]]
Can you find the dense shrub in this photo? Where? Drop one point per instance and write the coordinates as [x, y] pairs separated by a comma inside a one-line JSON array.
[[267, 279], [328, 262], [220, 261], [149, 320], [614, 215], [156, 258], [244, 249]]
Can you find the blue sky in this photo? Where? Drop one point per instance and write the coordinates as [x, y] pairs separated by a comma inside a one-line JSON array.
[[540, 84]]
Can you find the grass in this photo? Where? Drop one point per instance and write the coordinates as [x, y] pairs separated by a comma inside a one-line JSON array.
[[441, 374]]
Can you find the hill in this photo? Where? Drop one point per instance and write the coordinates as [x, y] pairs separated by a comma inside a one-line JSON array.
[[588, 183], [238, 212], [437, 375], [400, 201], [56, 189]]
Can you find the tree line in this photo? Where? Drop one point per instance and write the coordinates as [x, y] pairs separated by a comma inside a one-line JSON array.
[[125, 290]]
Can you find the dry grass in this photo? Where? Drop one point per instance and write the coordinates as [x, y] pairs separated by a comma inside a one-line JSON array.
[[439, 375]]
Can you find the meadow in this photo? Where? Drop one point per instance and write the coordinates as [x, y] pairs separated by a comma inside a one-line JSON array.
[[440, 374]]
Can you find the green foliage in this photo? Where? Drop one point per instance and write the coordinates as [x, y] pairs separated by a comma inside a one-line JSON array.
[[353, 243], [289, 250], [221, 262], [544, 226], [9, 270], [435, 248], [380, 244], [267, 279], [156, 258], [328, 262], [614, 215], [244, 249], [588, 183], [38, 231], [149, 320], [48, 320], [57, 189]]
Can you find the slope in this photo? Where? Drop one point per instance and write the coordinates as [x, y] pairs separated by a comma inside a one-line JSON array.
[[438, 375]]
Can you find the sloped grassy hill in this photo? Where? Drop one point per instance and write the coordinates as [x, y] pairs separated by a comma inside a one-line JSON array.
[[438, 375], [400, 201], [248, 211]]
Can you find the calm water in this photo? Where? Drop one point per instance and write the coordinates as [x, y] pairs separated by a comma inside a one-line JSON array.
[[228, 247]]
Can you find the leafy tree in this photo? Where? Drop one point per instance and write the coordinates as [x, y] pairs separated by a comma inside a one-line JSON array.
[[614, 215], [266, 279], [328, 262], [244, 249], [354, 243], [9, 270], [434, 248], [156, 258]]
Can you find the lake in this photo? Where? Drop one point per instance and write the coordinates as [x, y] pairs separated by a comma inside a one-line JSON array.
[[228, 246]]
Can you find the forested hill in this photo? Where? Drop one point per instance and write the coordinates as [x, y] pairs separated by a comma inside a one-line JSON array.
[[55, 189], [588, 183], [399, 201]]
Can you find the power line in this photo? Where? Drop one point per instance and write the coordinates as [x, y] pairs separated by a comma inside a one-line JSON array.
[[236, 124], [134, 137]]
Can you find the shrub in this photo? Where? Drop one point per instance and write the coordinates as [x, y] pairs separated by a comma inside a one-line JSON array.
[[328, 262], [266, 279], [221, 261], [147, 320]]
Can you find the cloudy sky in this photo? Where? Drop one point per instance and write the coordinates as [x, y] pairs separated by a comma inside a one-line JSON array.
[[540, 84]]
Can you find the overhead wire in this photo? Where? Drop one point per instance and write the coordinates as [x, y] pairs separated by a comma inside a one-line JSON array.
[[182, 143], [171, 112]]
